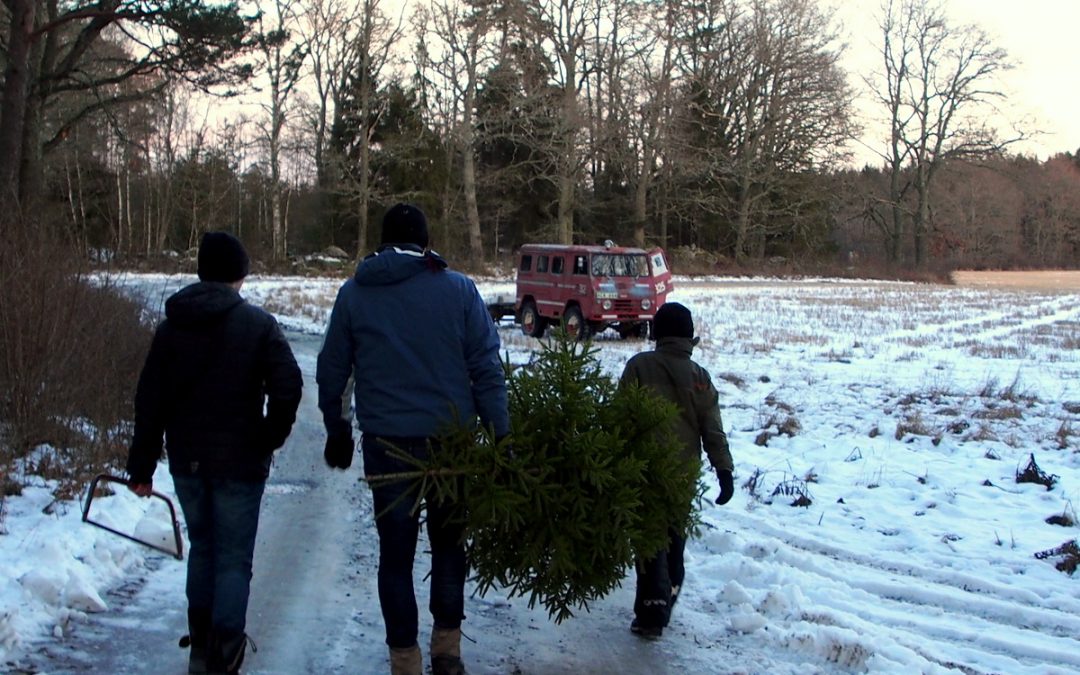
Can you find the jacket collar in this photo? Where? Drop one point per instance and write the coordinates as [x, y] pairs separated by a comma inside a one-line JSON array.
[[678, 346]]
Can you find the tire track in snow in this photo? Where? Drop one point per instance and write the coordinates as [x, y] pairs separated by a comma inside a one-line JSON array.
[[925, 609], [1002, 322]]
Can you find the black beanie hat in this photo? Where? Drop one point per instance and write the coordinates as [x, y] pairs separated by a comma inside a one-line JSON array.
[[405, 224], [222, 258], [673, 320]]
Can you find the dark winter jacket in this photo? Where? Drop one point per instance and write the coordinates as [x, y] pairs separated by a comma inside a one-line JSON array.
[[669, 371], [214, 362], [422, 349]]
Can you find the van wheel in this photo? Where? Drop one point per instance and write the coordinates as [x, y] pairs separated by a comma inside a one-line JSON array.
[[574, 323], [532, 324]]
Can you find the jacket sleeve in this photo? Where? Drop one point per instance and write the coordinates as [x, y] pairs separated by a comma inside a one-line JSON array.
[[483, 363], [713, 438], [630, 374], [283, 385], [333, 371], [150, 404]]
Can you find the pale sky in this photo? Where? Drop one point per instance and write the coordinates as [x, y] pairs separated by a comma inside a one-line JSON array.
[[1041, 39]]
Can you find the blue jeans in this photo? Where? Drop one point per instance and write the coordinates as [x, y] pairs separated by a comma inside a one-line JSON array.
[[398, 525], [222, 516]]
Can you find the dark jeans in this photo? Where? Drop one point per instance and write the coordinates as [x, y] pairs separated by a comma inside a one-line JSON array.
[[222, 516], [397, 519], [655, 579]]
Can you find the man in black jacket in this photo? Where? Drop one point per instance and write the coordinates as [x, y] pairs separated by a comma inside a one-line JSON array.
[[214, 364]]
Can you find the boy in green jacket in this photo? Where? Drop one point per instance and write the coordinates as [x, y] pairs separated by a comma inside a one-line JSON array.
[[670, 372]]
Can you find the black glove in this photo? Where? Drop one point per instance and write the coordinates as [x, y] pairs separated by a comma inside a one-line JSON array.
[[727, 486], [339, 451]]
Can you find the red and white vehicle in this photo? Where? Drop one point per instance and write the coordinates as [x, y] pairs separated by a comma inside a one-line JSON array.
[[590, 288]]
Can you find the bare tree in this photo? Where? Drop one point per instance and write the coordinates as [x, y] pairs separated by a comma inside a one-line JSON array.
[[454, 36], [649, 114], [281, 58], [762, 103], [563, 28], [710, 59], [568, 22], [793, 115], [331, 33], [374, 42], [938, 85], [54, 50]]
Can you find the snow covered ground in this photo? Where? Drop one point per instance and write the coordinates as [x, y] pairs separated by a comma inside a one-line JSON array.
[[897, 415]]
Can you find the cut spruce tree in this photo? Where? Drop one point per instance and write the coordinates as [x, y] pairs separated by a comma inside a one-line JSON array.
[[589, 479]]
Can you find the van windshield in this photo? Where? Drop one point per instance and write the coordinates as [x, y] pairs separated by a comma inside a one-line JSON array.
[[612, 265]]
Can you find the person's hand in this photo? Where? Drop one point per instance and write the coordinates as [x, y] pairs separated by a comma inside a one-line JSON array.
[[727, 486], [339, 451], [142, 489]]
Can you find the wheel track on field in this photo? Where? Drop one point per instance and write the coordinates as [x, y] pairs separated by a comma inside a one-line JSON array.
[[1064, 309], [974, 586], [929, 615]]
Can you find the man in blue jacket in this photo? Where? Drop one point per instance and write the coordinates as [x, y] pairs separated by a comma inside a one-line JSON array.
[[422, 352]]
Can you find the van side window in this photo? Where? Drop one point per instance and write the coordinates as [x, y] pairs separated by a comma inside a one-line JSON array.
[[557, 265], [526, 263], [580, 265], [542, 263], [658, 264]]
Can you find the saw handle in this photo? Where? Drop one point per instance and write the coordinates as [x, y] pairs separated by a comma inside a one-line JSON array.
[[106, 478]]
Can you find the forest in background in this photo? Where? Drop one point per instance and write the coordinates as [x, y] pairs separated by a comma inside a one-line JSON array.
[[716, 128]]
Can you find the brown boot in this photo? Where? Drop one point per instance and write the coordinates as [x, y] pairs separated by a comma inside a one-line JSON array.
[[406, 661], [446, 652]]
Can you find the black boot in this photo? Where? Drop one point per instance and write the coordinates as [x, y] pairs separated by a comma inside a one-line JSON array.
[[197, 638], [225, 651]]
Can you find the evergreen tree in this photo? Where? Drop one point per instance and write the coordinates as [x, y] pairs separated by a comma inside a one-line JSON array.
[[590, 479]]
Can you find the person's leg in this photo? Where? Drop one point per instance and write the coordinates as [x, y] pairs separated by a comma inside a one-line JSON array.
[[236, 505], [448, 571], [653, 596], [195, 503], [448, 565], [676, 566], [397, 520]]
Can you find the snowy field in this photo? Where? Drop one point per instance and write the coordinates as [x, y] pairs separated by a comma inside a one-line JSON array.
[[897, 417]]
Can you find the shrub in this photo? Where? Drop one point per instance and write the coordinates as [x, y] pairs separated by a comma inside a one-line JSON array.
[[70, 351], [1068, 555], [794, 487], [1031, 473]]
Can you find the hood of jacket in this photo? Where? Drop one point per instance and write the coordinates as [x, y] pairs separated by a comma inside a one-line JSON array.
[[201, 303], [396, 263], [679, 346]]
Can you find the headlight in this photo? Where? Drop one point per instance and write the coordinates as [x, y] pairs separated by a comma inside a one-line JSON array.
[[607, 305], [646, 304]]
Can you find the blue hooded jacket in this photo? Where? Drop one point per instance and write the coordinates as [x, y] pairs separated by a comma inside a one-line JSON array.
[[419, 342]]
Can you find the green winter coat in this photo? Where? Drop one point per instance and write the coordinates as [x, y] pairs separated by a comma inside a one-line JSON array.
[[669, 371]]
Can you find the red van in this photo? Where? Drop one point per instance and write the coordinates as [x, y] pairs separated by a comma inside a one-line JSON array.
[[590, 288]]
